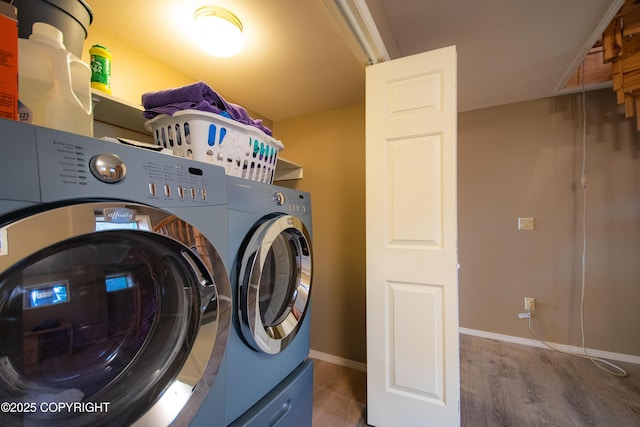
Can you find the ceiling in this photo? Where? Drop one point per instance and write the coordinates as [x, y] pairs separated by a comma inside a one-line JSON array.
[[300, 57]]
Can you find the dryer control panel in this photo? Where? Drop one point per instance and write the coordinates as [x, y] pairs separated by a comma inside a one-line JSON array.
[[293, 202], [252, 196]]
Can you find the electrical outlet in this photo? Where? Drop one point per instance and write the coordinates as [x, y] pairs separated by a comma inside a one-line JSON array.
[[529, 304]]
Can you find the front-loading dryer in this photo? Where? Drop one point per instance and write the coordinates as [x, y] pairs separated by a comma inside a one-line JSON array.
[[269, 375], [115, 303]]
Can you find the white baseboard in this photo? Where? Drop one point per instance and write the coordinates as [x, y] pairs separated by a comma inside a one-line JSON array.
[[619, 357], [562, 347], [338, 360]]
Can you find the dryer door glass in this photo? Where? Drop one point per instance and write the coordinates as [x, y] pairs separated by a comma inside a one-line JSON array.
[[275, 281], [104, 322], [279, 280]]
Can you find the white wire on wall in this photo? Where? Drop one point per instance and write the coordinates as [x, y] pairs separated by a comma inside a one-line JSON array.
[[602, 364]]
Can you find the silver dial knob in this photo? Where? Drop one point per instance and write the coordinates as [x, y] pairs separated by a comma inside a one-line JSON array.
[[278, 198], [108, 168]]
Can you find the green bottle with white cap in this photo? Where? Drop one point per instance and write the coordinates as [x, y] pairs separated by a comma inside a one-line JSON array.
[[100, 68]]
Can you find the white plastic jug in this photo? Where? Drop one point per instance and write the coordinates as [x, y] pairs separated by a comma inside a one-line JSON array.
[[54, 85]]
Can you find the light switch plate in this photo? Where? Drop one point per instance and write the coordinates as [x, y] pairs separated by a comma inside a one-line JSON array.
[[526, 224]]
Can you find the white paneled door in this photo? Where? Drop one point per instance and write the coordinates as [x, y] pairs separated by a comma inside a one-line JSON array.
[[413, 372]]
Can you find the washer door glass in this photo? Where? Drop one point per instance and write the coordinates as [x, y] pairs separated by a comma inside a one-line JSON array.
[[274, 283], [95, 328]]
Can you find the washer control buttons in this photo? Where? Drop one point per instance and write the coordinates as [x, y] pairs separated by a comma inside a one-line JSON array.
[[181, 191], [108, 168]]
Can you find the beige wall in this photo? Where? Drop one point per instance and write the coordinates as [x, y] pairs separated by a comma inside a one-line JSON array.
[[330, 146], [525, 160]]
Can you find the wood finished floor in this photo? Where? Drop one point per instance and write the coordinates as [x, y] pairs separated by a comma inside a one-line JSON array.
[[339, 395], [502, 384]]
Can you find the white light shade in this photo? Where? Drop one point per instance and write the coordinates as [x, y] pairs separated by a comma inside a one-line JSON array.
[[218, 31]]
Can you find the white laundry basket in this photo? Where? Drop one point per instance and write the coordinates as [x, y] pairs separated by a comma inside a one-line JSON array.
[[244, 151]]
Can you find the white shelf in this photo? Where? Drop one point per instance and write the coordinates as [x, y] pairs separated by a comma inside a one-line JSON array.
[[120, 113], [117, 112], [287, 170]]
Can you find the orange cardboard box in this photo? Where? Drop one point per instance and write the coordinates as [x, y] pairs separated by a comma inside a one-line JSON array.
[[8, 62]]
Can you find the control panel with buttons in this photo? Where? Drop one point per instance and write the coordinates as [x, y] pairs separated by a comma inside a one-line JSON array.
[[87, 167]]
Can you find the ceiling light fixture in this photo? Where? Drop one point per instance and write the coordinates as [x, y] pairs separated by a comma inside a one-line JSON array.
[[358, 18], [218, 31]]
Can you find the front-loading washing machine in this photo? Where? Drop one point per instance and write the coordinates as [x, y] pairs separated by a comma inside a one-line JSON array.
[[115, 303], [269, 374]]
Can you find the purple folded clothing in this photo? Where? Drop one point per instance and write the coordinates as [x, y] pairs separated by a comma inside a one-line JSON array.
[[196, 96]]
